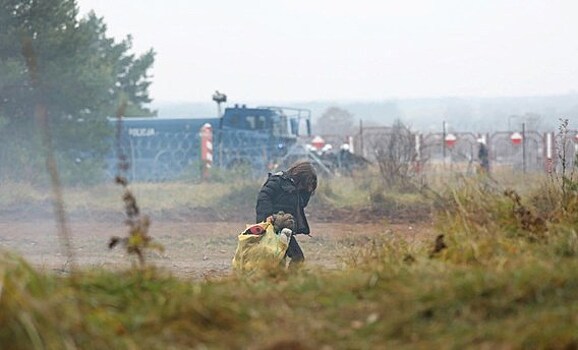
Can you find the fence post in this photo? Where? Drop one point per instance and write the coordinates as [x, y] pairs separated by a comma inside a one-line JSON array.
[[549, 161], [524, 147], [361, 149], [206, 133], [444, 141], [418, 152]]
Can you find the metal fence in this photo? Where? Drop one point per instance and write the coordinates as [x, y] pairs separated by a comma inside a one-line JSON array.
[[527, 151]]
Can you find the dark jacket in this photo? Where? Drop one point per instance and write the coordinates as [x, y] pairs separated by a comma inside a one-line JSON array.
[[279, 193]]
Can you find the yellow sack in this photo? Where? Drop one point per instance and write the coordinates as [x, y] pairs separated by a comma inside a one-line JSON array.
[[260, 251]]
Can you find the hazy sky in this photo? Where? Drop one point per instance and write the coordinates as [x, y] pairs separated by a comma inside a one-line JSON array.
[[302, 50]]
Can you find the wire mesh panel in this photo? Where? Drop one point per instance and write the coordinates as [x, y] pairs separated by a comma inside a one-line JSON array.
[[244, 147], [459, 150], [163, 156], [462, 147], [158, 149], [365, 141], [524, 154]]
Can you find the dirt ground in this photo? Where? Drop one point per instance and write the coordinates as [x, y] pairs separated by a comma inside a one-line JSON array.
[[192, 249]]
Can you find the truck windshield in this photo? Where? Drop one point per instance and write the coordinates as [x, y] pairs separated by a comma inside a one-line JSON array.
[[256, 122]]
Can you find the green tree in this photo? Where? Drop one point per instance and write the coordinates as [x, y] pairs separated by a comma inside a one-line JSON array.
[[68, 67]]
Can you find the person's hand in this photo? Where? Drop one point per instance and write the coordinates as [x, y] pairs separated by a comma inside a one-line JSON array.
[[283, 220]]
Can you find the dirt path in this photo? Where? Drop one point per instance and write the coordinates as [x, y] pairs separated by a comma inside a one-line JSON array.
[[192, 249]]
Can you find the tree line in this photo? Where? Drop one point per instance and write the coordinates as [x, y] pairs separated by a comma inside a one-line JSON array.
[[66, 68]]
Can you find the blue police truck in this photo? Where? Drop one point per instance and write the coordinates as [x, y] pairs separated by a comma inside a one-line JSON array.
[[159, 149]]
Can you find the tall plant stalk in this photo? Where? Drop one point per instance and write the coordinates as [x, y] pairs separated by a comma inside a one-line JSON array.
[[43, 125]]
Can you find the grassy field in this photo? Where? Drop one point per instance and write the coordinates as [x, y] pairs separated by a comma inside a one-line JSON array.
[[337, 199], [153, 197], [502, 276]]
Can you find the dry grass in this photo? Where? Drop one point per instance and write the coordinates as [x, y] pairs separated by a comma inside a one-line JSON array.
[[495, 279], [27, 200], [20, 193], [392, 294]]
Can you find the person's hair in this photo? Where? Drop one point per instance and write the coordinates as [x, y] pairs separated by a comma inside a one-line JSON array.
[[304, 175]]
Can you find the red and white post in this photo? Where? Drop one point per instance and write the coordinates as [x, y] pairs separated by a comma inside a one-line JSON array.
[[206, 149]]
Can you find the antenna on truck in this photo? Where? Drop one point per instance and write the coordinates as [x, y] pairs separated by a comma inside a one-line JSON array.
[[219, 98]]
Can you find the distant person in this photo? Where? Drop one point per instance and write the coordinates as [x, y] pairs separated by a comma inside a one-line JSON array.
[[345, 158], [483, 156], [289, 191]]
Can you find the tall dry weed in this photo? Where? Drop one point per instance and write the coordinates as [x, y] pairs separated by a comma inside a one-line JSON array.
[[138, 240]]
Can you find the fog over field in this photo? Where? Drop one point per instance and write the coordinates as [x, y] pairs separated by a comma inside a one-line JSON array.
[[475, 114]]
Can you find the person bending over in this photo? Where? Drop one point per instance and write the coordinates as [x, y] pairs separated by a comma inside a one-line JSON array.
[[289, 191]]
